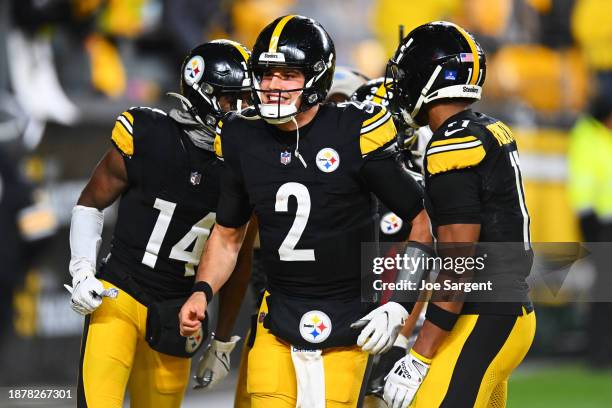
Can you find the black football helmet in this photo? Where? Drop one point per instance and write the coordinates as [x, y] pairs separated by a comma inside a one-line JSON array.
[[214, 80], [293, 42], [438, 60]]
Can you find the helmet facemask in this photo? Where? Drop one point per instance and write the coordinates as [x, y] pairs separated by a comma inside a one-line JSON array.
[[309, 95]]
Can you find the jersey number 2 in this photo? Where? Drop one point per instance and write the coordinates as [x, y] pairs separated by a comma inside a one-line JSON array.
[[197, 233], [287, 251]]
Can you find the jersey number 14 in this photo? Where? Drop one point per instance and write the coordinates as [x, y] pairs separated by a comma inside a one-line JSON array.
[[179, 252]]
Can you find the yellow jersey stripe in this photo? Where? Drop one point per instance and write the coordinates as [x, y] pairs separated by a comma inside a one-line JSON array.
[[129, 117], [123, 139], [476, 62], [277, 32], [377, 138], [455, 159], [374, 118], [217, 146], [452, 141]]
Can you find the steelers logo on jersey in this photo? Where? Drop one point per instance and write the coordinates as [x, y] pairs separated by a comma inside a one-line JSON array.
[[315, 326], [328, 160], [194, 70], [193, 342], [390, 223]]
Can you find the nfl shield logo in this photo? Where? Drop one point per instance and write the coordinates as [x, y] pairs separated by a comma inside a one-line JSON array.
[[195, 178], [285, 158]]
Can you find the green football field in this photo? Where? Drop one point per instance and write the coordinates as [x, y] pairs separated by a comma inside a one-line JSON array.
[[560, 386]]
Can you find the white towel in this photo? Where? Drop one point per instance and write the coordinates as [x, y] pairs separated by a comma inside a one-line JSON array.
[[310, 376]]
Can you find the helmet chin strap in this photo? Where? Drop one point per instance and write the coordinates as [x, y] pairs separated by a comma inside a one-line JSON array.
[[409, 117]]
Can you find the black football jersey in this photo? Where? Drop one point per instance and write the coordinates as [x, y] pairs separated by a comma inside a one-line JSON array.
[[312, 200], [473, 176], [166, 213], [393, 228]]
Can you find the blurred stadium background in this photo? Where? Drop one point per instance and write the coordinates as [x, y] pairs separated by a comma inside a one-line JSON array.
[[69, 67]]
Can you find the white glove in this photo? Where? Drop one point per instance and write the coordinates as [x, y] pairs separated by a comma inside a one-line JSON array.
[[382, 325], [404, 380], [214, 365], [86, 290]]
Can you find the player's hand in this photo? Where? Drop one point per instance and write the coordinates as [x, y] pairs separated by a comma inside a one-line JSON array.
[[382, 325], [192, 314], [404, 380], [214, 365], [86, 291]]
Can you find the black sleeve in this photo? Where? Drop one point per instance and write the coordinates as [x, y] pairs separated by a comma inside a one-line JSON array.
[[385, 177], [234, 209], [455, 197]]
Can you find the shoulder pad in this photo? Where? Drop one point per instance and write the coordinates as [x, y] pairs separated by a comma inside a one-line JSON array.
[[458, 145], [123, 131], [377, 128]]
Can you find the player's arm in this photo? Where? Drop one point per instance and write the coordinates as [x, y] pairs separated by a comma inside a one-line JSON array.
[[108, 181], [221, 253], [214, 364], [442, 315], [216, 265], [236, 286]]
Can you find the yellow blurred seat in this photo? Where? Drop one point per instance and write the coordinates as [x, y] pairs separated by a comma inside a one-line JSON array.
[[546, 79]]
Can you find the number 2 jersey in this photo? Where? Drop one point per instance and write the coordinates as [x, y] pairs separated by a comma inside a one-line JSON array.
[[312, 197], [472, 176], [167, 210]]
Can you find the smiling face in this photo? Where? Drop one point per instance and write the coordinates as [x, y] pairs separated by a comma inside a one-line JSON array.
[[281, 79]]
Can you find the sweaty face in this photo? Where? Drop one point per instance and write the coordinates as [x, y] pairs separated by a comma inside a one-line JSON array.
[[281, 79]]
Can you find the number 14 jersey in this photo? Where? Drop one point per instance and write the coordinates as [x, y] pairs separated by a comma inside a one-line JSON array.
[[168, 208]]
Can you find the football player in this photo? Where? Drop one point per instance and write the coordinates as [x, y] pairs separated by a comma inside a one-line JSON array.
[[307, 170], [164, 169], [465, 351]]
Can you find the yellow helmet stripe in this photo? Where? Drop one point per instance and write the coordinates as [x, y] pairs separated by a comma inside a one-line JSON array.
[[277, 32], [240, 48], [474, 48]]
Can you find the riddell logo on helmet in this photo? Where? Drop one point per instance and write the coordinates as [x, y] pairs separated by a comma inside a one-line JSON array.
[[470, 89], [272, 56]]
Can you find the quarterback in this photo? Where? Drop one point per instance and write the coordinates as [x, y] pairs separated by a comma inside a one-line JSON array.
[[307, 171], [466, 350], [164, 169]]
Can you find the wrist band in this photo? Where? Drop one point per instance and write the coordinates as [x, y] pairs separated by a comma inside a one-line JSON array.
[[442, 318], [202, 286], [419, 357]]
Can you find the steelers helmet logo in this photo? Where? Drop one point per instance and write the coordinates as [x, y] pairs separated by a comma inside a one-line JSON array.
[[194, 69], [315, 326], [193, 342], [390, 223], [328, 160]]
